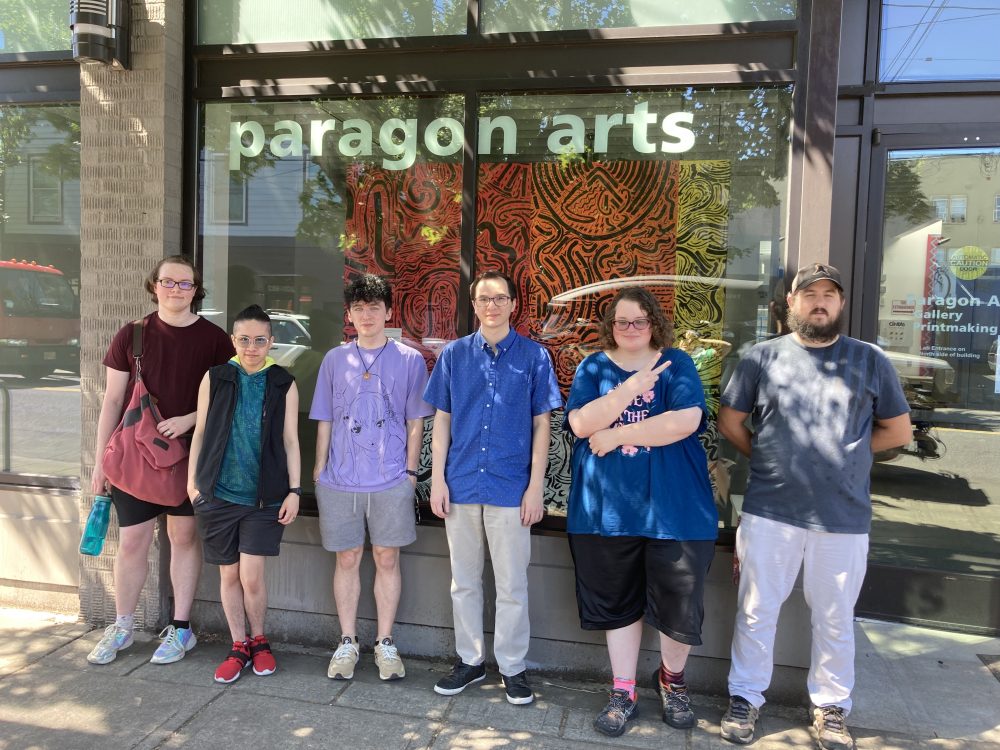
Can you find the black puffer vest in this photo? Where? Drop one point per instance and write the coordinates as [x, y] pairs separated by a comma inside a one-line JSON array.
[[223, 389]]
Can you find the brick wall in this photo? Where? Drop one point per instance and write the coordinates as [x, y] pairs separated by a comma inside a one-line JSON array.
[[131, 128]]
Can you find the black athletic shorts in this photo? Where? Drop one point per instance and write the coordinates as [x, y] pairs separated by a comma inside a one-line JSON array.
[[229, 529], [132, 511], [619, 579]]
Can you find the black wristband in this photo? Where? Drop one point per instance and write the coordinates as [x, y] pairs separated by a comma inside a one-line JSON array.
[[296, 490], [412, 473]]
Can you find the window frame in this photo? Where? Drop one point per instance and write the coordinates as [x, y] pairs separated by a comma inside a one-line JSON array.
[[32, 218]]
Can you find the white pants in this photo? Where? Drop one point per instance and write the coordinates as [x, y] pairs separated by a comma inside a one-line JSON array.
[[834, 565], [510, 551]]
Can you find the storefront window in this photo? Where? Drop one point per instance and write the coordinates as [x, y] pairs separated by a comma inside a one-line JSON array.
[[298, 198], [932, 40], [935, 500], [34, 26], [39, 284], [531, 15], [259, 21], [682, 191]]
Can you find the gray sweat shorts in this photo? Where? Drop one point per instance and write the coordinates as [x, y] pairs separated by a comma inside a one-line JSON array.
[[388, 514]]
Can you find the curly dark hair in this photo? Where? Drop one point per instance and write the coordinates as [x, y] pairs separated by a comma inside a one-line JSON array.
[[368, 288], [154, 277], [662, 327]]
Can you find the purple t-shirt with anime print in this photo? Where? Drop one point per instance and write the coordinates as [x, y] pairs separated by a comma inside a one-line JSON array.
[[368, 414]]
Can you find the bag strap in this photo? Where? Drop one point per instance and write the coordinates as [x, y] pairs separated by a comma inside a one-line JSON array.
[[137, 326]]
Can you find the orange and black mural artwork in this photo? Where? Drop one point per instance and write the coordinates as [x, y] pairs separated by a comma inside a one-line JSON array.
[[571, 233]]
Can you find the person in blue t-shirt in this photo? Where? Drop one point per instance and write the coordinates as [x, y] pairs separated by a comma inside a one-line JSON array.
[[642, 523]]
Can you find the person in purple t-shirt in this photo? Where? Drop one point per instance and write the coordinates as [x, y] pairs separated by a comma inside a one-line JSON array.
[[370, 412]]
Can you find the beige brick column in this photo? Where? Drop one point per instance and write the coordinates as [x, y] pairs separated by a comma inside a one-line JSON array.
[[131, 127]]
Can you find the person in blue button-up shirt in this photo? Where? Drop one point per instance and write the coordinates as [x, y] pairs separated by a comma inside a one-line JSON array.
[[488, 474]]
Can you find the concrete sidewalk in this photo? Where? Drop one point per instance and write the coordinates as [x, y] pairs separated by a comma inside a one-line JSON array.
[[916, 688]]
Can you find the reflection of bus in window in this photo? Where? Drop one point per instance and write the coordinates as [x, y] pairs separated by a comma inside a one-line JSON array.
[[39, 320]]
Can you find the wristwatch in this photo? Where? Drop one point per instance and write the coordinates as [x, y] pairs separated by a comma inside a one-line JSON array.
[[296, 490], [412, 473]]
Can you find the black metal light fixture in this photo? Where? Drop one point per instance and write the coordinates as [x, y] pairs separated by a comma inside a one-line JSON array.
[[100, 31]]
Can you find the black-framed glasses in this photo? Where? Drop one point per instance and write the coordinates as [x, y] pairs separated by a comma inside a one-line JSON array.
[[244, 341], [501, 300], [184, 286], [640, 324]]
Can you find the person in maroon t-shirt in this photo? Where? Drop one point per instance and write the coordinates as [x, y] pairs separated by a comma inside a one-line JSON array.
[[178, 348]]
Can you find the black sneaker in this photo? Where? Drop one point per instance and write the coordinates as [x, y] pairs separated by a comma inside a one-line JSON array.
[[830, 726], [462, 675], [739, 721], [518, 691], [676, 703], [613, 717]]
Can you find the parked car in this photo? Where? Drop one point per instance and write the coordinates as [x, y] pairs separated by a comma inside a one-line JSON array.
[[291, 336]]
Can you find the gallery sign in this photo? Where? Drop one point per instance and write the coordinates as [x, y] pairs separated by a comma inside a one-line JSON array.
[[398, 138]]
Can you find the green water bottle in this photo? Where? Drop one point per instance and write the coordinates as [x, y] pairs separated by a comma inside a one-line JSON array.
[[97, 526]]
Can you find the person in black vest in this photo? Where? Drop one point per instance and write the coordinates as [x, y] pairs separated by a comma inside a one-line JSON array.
[[244, 481]]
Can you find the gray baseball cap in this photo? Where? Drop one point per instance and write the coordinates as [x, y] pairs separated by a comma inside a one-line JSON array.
[[816, 272]]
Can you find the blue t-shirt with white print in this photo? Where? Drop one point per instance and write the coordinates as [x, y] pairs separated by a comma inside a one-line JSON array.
[[660, 492]]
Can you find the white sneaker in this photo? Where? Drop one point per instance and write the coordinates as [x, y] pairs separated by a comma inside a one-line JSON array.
[[344, 659], [176, 642], [115, 639], [390, 666]]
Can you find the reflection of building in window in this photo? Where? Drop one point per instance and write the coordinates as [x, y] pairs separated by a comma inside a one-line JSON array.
[[227, 196], [950, 209], [996, 208], [45, 193]]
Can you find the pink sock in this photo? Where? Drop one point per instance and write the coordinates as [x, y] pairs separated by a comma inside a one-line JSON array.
[[627, 685]]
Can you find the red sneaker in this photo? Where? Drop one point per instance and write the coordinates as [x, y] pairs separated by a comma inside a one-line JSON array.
[[235, 663], [263, 659]]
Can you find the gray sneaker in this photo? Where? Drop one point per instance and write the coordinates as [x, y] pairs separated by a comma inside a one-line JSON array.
[[344, 660], [390, 666], [176, 642], [615, 716], [676, 703], [830, 726], [740, 721], [115, 639]]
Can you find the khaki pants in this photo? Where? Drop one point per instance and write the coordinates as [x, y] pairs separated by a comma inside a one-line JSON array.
[[468, 526]]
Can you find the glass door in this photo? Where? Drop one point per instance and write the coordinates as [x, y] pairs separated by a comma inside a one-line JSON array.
[[935, 311]]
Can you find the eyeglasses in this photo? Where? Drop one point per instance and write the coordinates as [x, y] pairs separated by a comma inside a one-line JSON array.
[[640, 324], [184, 286], [244, 341], [501, 300]]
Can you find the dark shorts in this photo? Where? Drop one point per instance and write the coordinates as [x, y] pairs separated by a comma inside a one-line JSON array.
[[621, 579], [229, 530], [132, 511]]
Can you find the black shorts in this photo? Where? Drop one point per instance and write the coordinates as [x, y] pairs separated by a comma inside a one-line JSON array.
[[132, 511], [621, 578], [228, 530]]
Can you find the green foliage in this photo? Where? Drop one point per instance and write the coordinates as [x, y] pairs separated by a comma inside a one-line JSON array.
[[34, 25], [903, 195]]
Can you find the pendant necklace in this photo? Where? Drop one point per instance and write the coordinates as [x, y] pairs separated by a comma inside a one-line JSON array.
[[368, 367]]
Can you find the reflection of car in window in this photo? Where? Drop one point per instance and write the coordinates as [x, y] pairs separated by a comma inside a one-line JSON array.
[[291, 336], [569, 328], [39, 320], [928, 382]]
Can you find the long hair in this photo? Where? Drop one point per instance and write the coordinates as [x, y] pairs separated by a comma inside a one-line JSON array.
[[661, 326]]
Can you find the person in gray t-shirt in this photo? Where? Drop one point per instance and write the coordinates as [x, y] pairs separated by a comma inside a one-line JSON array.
[[820, 404]]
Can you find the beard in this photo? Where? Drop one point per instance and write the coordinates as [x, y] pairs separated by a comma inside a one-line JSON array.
[[815, 332]]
